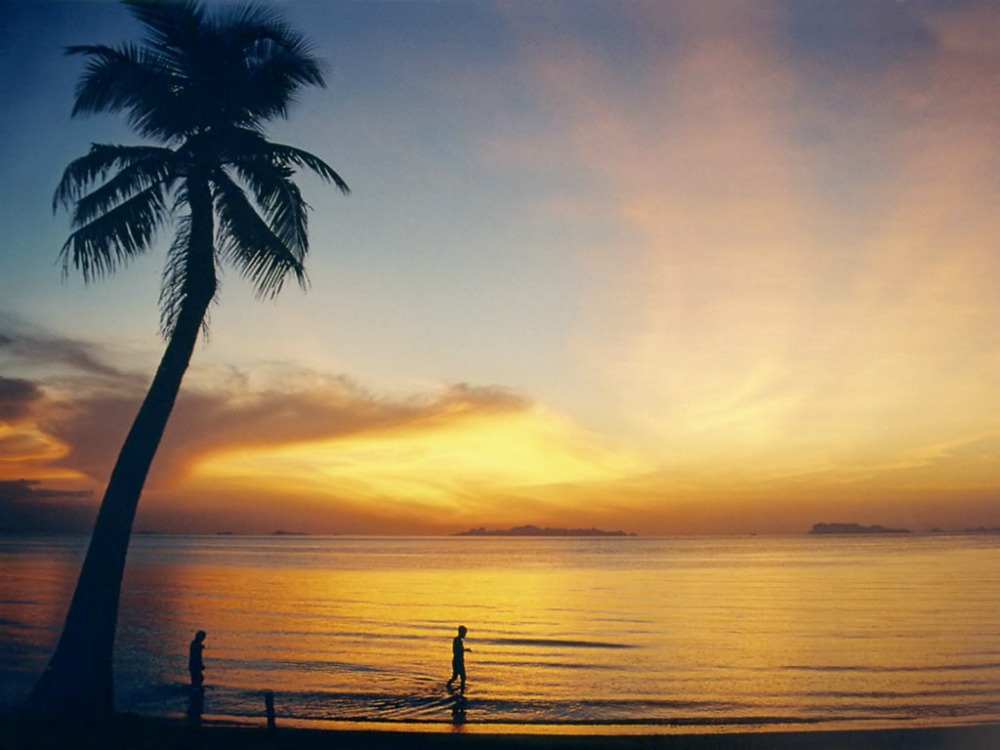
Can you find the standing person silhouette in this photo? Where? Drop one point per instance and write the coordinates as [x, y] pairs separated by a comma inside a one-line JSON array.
[[458, 650], [196, 665]]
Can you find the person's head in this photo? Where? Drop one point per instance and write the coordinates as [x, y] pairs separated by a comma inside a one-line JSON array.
[[462, 630], [200, 635]]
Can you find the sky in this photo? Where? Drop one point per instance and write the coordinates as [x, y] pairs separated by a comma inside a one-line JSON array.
[[671, 267]]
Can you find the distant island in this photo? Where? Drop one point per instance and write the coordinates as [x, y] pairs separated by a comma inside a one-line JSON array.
[[282, 532], [537, 531], [854, 528]]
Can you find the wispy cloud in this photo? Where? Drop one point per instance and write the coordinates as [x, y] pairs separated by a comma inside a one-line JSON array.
[[809, 226], [27, 345]]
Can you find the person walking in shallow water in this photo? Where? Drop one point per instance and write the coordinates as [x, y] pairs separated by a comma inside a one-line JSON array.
[[458, 650], [196, 665]]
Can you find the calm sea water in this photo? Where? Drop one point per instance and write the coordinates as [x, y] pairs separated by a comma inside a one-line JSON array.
[[651, 633]]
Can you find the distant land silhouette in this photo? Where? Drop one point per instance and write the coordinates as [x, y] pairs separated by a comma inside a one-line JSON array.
[[537, 531], [282, 532], [853, 528]]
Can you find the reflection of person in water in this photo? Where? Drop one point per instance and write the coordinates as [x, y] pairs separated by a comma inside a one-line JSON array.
[[458, 712], [458, 650], [196, 665], [196, 705]]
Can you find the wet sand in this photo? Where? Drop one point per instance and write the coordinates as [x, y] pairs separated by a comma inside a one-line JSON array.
[[134, 733]]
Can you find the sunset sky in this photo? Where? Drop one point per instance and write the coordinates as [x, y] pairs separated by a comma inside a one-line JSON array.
[[670, 267]]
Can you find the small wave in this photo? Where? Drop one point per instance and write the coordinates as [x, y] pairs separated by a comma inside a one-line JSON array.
[[331, 666], [556, 643], [387, 706], [894, 695], [390, 709], [535, 664], [932, 668], [429, 702]]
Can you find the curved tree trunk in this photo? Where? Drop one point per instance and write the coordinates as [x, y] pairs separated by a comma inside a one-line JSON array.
[[78, 682]]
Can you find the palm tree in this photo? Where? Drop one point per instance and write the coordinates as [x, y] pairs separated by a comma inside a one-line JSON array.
[[202, 87]]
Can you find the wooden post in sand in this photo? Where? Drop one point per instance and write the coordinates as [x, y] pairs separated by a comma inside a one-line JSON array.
[[269, 709]]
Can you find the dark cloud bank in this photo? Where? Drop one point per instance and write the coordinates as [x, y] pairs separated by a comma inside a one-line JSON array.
[[26, 506]]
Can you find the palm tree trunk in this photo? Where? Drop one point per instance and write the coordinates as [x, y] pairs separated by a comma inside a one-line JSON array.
[[78, 682]]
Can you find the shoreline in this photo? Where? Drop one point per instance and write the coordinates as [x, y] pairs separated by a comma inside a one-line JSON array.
[[133, 732]]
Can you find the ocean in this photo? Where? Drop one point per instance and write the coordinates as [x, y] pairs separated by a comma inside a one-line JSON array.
[[566, 634]]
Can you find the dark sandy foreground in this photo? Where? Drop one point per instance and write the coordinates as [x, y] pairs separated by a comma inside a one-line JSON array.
[[133, 733]]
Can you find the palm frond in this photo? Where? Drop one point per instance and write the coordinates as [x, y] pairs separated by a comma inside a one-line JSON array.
[[279, 199], [168, 24], [98, 247], [173, 287], [132, 79], [190, 271], [130, 181], [300, 158], [258, 65], [276, 62], [240, 145], [101, 160], [250, 244], [274, 80]]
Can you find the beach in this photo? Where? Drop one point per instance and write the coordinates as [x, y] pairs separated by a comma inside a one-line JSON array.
[[139, 733]]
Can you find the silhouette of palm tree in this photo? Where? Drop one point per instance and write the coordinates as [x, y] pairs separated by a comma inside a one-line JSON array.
[[202, 87]]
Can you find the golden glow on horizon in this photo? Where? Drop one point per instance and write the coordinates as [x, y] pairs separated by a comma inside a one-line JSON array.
[[435, 461]]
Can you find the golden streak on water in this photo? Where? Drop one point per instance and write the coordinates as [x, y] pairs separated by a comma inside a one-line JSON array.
[[692, 632]]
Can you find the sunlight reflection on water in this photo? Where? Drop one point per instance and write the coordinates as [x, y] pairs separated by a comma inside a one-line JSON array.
[[676, 631]]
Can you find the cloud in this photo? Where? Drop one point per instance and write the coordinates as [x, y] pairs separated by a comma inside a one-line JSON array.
[[364, 463], [811, 265], [296, 406], [28, 345], [16, 397], [26, 506], [25, 448], [299, 439], [310, 442], [67, 419], [285, 447], [437, 462], [856, 37], [275, 407]]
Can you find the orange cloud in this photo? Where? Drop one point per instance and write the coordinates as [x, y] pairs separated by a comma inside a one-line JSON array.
[[445, 464], [257, 452], [26, 449], [295, 449]]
